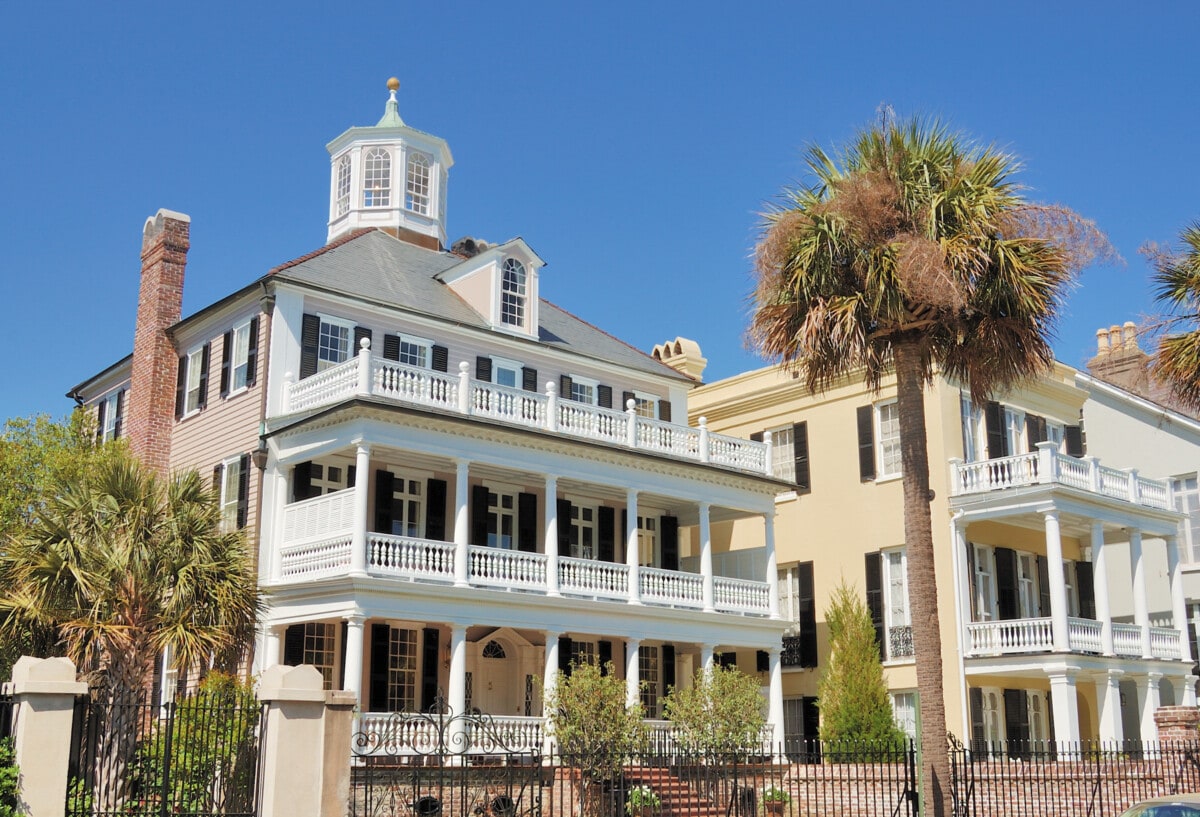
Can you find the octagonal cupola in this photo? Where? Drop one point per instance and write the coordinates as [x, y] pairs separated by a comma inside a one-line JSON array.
[[389, 176]]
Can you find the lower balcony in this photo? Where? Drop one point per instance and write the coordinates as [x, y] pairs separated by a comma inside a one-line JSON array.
[[1084, 636]]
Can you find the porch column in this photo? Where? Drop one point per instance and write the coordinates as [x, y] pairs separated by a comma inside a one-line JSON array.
[[706, 562], [1100, 591], [631, 546], [270, 647], [706, 657], [1108, 702], [772, 565], [282, 490], [1058, 588], [1065, 705], [358, 540], [457, 687], [1141, 610], [1178, 604], [549, 688], [633, 689], [354, 658], [1149, 701], [775, 700], [552, 536], [462, 534]]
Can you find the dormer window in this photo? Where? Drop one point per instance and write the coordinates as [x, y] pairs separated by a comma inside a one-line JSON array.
[[343, 186], [377, 178], [416, 188], [512, 293]]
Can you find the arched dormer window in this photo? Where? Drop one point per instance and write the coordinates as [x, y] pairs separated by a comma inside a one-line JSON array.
[[512, 293], [416, 188], [377, 178], [343, 186]]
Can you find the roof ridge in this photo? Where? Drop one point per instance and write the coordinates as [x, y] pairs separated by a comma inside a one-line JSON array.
[[332, 245]]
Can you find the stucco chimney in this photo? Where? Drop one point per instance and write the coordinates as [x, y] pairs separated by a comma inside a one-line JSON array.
[[683, 355], [151, 411]]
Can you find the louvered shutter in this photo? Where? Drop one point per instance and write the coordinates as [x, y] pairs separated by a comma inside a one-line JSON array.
[[1043, 569], [217, 479], [664, 410], [604, 656], [435, 510], [529, 378], [971, 579], [479, 515], [626, 396], [762, 661], [874, 583], [243, 494], [204, 356], [252, 354], [439, 358], [1007, 597], [293, 645], [302, 481], [606, 522], [429, 668], [978, 729], [483, 369], [564, 655], [344, 632], [800, 455], [384, 495], [757, 436], [360, 333], [100, 409], [866, 442], [1073, 437], [564, 387], [1085, 588], [564, 527], [226, 361], [807, 606], [1016, 722], [604, 396], [668, 668], [377, 687], [527, 522], [181, 387], [997, 440], [391, 347], [120, 418], [668, 528], [310, 339], [1035, 431]]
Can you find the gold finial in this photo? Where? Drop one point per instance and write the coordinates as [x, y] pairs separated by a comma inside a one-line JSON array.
[[393, 84]]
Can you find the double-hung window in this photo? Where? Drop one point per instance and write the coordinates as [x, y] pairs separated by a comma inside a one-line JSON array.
[[192, 392], [644, 405], [415, 351], [512, 293], [333, 343], [506, 373], [416, 185], [974, 439], [647, 541], [888, 439], [895, 590], [648, 675], [583, 391], [1014, 430], [109, 413], [904, 712], [783, 454], [581, 539], [342, 205], [239, 357], [231, 473], [1186, 491]]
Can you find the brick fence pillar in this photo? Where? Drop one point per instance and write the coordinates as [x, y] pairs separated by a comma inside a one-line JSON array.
[[1177, 724], [44, 691]]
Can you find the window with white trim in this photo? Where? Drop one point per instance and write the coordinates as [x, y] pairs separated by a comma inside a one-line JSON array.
[[1186, 491], [402, 670], [231, 473], [1039, 718], [240, 362], [501, 520], [985, 583], [342, 201], [320, 649], [647, 541], [583, 390], [993, 717], [512, 293], [333, 342], [783, 453], [1072, 593], [581, 535], [195, 378], [1028, 594], [407, 518], [416, 186], [110, 410], [648, 675], [506, 372], [583, 652], [895, 603], [377, 178], [326, 479], [973, 433], [414, 351], [887, 436], [904, 712], [1014, 430]]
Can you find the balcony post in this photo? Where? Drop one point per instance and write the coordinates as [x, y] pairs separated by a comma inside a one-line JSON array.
[[1046, 451], [464, 387], [772, 564], [354, 658], [358, 540], [462, 534], [457, 687], [364, 367], [707, 652], [549, 688], [632, 672], [1108, 699], [1141, 608], [1100, 588], [631, 417], [551, 406], [1093, 465], [704, 453], [632, 546], [706, 559], [1065, 705], [552, 523], [956, 477], [775, 701], [1058, 587], [1133, 485], [769, 455], [1178, 603], [282, 480]]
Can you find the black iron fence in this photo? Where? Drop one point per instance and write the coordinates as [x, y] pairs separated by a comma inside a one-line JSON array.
[[8, 716], [196, 756]]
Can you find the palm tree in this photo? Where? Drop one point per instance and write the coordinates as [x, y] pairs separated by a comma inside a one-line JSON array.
[[1177, 278], [916, 254]]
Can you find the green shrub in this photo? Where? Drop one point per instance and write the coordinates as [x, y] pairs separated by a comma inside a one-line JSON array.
[[10, 780], [721, 713], [595, 731]]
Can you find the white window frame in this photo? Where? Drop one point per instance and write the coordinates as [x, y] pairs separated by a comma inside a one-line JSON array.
[[110, 402], [649, 678], [648, 541], [330, 485], [377, 178], [231, 473], [588, 383], [974, 435], [994, 733], [239, 359], [583, 652], [904, 711], [321, 649], [341, 202], [644, 405], [1185, 488], [896, 609], [887, 450], [402, 670], [1028, 586], [985, 582], [1056, 433], [1014, 431], [191, 398], [341, 323], [412, 503], [1037, 710], [418, 190], [1070, 582], [783, 453], [514, 300], [419, 349], [503, 364], [500, 514], [578, 525]]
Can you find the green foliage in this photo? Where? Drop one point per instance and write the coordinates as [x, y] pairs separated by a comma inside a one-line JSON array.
[[852, 691], [774, 794], [640, 798], [595, 731], [10, 780], [79, 797], [721, 713], [1177, 282]]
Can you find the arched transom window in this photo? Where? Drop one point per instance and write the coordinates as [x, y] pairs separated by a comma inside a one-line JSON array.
[[512, 293], [343, 186], [377, 178], [493, 649], [416, 189]]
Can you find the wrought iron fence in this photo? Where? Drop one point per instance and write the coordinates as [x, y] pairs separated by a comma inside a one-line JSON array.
[[8, 716], [198, 756]]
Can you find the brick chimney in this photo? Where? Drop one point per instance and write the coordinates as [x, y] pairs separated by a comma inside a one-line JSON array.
[[151, 412]]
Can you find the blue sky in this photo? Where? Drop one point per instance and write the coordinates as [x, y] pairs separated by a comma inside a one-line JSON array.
[[631, 144]]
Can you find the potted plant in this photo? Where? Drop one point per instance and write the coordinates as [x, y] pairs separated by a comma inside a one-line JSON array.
[[642, 801], [775, 799]]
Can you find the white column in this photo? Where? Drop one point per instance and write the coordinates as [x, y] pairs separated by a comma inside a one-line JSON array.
[[552, 523], [772, 563], [1178, 604], [462, 533], [457, 686], [549, 687], [1148, 701], [1189, 690], [706, 561], [354, 658], [282, 489], [706, 657], [271, 650], [1058, 592], [358, 547], [1108, 700], [775, 703], [1100, 587], [633, 690], [364, 367], [1065, 705], [1141, 610], [631, 546]]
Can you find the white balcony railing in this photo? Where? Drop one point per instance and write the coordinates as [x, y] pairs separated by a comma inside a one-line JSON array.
[[1047, 466], [671, 587], [1085, 635], [410, 558], [323, 557], [1127, 639], [368, 376], [585, 577], [320, 517], [1029, 635], [1008, 637]]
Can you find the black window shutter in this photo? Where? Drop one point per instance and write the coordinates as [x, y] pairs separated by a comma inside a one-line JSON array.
[[668, 668], [1085, 587], [625, 530], [527, 522], [866, 443], [1035, 431], [997, 440], [606, 522], [439, 358], [800, 453], [564, 387], [1016, 721], [293, 645], [310, 338], [120, 418], [727, 660], [874, 570], [391, 346], [378, 673], [664, 410], [668, 529], [757, 436], [100, 419], [384, 488], [604, 396], [243, 495], [1073, 436], [604, 656], [204, 355], [435, 510], [302, 481], [564, 527], [226, 361], [429, 668], [807, 605], [351, 475], [978, 730], [529, 378], [360, 332], [479, 515], [180, 387], [483, 369], [762, 661], [1007, 599], [810, 719], [626, 396], [1043, 569], [345, 634], [252, 354], [564, 655]]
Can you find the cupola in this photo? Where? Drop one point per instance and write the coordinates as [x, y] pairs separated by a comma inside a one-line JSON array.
[[389, 176]]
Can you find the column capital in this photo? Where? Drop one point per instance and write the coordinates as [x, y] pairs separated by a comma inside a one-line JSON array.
[[1051, 513], [633, 641], [356, 619], [1063, 674], [462, 462], [1152, 676], [1114, 674], [362, 446]]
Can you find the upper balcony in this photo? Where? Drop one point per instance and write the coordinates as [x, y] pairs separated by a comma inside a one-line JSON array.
[[367, 375]]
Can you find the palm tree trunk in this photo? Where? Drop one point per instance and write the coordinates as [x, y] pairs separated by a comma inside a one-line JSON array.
[[918, 538]]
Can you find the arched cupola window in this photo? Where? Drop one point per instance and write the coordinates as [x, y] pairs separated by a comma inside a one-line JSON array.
[[416, 188], [343, 186], [377, 178], [512, 293]]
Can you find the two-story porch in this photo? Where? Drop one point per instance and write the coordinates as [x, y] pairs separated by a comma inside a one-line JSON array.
[[1047, 547]]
